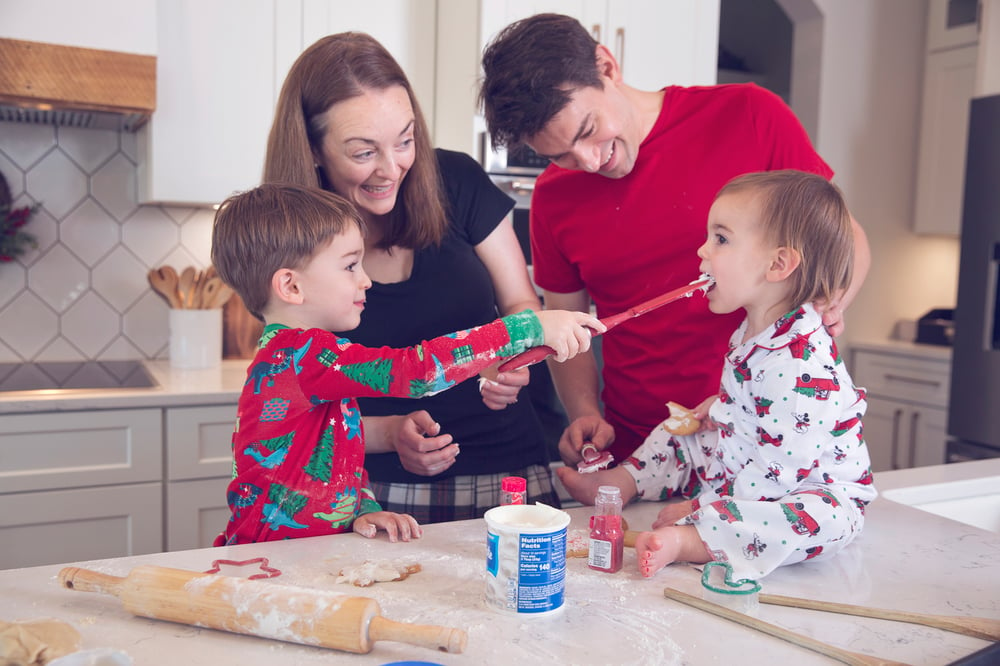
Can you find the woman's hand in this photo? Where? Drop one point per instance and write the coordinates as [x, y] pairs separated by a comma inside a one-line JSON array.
[[399, 526], [421, 447], [500, 390]]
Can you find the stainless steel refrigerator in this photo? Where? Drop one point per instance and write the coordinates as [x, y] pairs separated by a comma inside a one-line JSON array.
[[974, 412]]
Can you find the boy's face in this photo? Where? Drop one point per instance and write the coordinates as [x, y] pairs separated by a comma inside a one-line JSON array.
[[368, 148], [735, 253], [597, 131], [333, 284]]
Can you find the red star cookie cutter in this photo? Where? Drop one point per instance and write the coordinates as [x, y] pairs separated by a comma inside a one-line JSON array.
[[266, 570]]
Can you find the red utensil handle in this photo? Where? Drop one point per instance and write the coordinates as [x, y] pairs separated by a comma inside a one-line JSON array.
[[529, 357], [536, 354]]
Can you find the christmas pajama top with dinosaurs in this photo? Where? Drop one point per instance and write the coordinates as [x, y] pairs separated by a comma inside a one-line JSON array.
[[298, 446]]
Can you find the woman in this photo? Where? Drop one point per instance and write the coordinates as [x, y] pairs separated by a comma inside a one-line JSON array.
[[442, 254]]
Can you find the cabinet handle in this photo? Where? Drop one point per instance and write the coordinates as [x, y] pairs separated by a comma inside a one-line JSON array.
[[525, 188], [894, 452], [914, 424], [620, 47], [595, 32], [912, 380]]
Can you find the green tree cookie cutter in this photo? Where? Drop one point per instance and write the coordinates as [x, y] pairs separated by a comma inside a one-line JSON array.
[[730, 586]]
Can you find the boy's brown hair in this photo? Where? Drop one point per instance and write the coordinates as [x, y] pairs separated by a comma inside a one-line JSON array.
[[808, 214], [274, 226]]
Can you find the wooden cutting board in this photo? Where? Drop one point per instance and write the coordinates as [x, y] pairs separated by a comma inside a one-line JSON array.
[[240, 330]]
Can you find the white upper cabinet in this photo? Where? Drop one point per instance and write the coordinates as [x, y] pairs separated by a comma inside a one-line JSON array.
[[220, 68], [215, 96], [109, 25], [949, 79], [949, 84], [951, 23], [658, 42]]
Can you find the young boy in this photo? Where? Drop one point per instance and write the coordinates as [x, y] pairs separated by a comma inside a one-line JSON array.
[[294, 255], [779, 473]]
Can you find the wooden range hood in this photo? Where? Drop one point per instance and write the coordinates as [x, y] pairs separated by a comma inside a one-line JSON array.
[[71, 86]]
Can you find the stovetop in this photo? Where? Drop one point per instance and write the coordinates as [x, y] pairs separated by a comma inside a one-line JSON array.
[[74, 375]]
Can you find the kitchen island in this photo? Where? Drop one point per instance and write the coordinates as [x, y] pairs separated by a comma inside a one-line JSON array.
[[906, 559]]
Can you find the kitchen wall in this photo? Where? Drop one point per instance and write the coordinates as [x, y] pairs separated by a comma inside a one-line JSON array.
[[870, 86], [83, 293]]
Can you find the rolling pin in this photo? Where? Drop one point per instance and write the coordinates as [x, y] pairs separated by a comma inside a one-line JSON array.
[[258, 608]]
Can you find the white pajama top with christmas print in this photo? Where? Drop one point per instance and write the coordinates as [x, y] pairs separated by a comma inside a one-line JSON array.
[[786, 475]]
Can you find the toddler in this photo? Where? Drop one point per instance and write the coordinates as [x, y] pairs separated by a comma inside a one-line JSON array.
[[294, 255], [779, 472]]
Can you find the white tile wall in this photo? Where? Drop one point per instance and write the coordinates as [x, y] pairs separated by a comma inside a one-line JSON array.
[[83, 294]]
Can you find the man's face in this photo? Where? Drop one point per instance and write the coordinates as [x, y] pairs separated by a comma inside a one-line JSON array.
[[597, 131]]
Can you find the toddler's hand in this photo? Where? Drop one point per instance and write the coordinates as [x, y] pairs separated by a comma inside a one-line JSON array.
[[399, 526], [568, 333]]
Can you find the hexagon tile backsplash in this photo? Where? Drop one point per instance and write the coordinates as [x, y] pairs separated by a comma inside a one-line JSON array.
[[83, 293]]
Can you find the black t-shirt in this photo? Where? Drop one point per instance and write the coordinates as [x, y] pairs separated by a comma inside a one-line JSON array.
[[449, 290]]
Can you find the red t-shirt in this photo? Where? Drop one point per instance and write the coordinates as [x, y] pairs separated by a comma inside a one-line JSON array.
[[627, 240]]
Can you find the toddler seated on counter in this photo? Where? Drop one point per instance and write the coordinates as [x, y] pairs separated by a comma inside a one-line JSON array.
[[779, 471], [294, 255]]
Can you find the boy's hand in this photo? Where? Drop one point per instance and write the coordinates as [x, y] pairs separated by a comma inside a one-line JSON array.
[[399, 526], [568, 333]]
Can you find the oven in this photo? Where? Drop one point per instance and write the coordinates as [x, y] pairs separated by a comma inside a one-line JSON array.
[[514, 172]]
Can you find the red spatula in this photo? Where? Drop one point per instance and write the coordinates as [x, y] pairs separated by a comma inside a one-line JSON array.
[[536, 354]]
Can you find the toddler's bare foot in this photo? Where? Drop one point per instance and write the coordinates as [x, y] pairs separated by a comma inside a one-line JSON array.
[[655, 550]]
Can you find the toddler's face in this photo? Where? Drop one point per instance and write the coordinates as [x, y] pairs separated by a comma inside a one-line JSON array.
[[734, 253], [334, 284]]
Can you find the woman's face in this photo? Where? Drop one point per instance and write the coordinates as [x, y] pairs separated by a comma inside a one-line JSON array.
[[368, 148]]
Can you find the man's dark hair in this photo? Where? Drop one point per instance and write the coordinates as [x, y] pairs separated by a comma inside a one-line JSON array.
[[530, 70]]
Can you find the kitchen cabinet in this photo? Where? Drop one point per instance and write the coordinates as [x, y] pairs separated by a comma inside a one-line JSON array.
[[220, 67], [95, 24], [80, 485], [199, 465], [659, 44], [110, 483], [951, 23], [906, 422], [949, 81]]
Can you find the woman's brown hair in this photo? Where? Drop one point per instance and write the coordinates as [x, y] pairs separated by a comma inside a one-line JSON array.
[[337, 68]]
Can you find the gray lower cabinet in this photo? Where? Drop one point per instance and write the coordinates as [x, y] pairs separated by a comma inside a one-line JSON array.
[[199, 466], [80, 485], [111, 483], [906, 422]]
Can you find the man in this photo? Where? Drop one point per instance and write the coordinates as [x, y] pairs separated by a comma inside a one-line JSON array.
[[618, 216]]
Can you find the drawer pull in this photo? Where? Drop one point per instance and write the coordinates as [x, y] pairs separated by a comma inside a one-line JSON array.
[[913, 380], [894, 451]]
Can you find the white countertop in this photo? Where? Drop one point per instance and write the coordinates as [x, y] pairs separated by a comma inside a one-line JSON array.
[[903, 347], [905, 559], [213, 386]]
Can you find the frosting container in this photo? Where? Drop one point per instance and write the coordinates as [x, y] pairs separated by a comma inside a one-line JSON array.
[[526, 558]]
